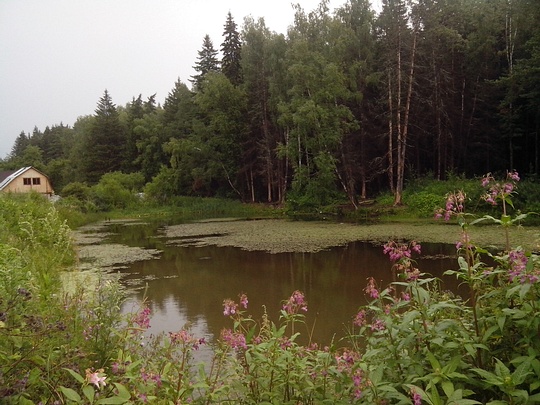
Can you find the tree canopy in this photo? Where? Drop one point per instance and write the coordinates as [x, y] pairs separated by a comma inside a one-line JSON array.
[[345, 104]]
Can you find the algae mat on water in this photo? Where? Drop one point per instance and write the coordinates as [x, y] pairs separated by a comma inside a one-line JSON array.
[[277, 236]]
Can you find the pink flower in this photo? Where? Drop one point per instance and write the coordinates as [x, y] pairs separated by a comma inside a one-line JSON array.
[[360, 318], [397, 251], [142, 318], [244, 301], [417, 398], [295, 303], [454, 206], [514, 176], [233, 339], [371, 288], [229, 307], [97, 378], [378, 325]]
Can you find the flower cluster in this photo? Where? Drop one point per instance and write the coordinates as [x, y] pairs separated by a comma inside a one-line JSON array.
[[518, 268], [231, 308], [397, 251], [454, 206], [96, 377], [360, 318], [295, 303], [371, 288], [347, 363], [497, 190], [142, 318], [234, 339], [378, 325], [401, 253], [151, 378], [185, 338], [465, 242]]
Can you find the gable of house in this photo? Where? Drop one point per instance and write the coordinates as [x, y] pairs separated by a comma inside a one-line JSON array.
[[25, 180]]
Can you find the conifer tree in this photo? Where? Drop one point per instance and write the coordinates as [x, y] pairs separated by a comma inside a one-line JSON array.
[[20, 145], [104, 146], [207, 62], [231, 50]]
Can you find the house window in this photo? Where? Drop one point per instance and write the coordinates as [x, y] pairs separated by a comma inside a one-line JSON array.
[[27, 181], [36, 181]]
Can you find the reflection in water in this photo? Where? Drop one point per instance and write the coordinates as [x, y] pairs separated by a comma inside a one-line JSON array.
[[188, 284]]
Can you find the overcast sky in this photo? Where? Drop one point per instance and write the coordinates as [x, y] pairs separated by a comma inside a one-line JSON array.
[[58, 56]]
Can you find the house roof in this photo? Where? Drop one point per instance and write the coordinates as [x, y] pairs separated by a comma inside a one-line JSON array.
[[8, 176]]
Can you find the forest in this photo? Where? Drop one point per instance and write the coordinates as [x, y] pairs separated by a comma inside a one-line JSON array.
[[346, 104]]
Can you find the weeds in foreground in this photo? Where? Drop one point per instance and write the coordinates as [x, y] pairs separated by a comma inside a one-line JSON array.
[[413, 343]]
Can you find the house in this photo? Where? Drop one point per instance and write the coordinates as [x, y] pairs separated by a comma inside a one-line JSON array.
[[25, 180]]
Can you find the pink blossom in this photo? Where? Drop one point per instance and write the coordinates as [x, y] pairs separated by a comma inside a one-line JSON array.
[[397, 251], [371, 288], [513, 176], [295, 303], [360, 318], [234, 339], [244, 301], [417, 398], [378, 325], [142, 318], [97, 378], [229, 307]]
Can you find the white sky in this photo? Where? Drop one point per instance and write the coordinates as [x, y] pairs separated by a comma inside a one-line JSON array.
[[58, 56]]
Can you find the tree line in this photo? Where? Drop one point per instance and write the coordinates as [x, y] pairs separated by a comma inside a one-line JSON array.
[[347, 103]]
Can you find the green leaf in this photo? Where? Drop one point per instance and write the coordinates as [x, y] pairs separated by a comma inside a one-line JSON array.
[[501, 320], [122, 391], [521, 372], [113, 400], [452, 365], [448, 388], [71, 394], [89, 393], [75, 375], [524, 290], [488, 377], [501, 369], [434, 362]]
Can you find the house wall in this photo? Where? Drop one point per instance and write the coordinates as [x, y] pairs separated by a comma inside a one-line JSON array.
[[27, 182]]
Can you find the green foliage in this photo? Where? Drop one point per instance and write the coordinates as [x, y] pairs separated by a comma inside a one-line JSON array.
[[411, 343], [424, 203]]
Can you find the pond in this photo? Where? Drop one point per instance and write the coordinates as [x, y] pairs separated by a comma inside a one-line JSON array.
[[187, 282]]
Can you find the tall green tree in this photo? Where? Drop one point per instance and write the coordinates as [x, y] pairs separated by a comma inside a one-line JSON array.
[[208, 161], [207, 61], [104, 148], [231, 49], [20, 144], [398, 39], [264, 70], [316, 115], [353, 49]]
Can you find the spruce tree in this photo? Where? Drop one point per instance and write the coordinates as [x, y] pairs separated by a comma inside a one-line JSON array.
[[207, 62], [105, 144], [20, 145], [231, 50]]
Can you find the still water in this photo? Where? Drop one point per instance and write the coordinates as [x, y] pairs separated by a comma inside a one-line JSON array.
[[187, 284]]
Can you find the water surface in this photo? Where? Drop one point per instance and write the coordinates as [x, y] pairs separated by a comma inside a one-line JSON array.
[[187, 284]]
